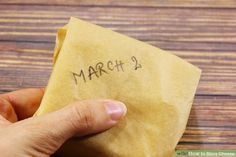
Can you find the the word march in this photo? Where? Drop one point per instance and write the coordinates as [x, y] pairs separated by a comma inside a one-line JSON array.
[[103, 68]]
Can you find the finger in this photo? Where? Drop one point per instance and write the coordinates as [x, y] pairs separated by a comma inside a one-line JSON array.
[[81, 118], [7, 111], [24, 102]]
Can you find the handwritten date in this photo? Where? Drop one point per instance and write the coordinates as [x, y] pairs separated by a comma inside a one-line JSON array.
[[103, 68]]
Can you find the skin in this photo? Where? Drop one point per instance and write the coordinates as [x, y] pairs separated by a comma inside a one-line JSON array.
[[27, 136]]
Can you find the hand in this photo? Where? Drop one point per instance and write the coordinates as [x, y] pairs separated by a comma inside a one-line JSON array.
[[24, 135]]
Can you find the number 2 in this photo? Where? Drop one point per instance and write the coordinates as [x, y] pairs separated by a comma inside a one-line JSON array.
[[137, 65]]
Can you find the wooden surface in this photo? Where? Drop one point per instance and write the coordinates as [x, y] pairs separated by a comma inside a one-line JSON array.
[[200, 31]]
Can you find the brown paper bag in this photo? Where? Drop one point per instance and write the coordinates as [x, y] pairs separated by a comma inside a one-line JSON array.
[[158, 88]]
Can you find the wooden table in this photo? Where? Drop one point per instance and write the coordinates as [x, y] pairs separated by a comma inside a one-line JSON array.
[[200, 31]]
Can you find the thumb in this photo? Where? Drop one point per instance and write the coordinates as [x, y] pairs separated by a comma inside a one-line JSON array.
[[81, 118]]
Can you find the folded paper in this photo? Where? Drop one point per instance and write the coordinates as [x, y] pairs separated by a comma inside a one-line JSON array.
[[157, 87]]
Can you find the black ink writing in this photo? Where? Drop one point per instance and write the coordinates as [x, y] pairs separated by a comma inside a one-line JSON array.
[[137, 65], [103, 69], [92, 72], [100, 67], [110, 65], [75, 75], [119, 65]]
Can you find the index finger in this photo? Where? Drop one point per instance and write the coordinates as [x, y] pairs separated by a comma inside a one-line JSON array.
[[25, 101]]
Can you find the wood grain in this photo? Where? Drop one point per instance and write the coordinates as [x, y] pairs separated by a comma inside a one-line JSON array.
[[130, 3], [201, 32]]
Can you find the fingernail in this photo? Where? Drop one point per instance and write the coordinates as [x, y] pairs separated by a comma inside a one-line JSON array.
[[116, 110]]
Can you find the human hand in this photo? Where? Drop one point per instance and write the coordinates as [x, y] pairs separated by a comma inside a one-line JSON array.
[[24, 135]]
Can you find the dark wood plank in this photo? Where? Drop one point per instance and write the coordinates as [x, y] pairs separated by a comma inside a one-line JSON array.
[[211, 124], [202, 29], [131, 3]]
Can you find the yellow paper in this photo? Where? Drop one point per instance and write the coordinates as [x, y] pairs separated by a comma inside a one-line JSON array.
[[158, 88]]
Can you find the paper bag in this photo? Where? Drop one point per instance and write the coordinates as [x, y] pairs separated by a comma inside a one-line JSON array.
[[157, 87]]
